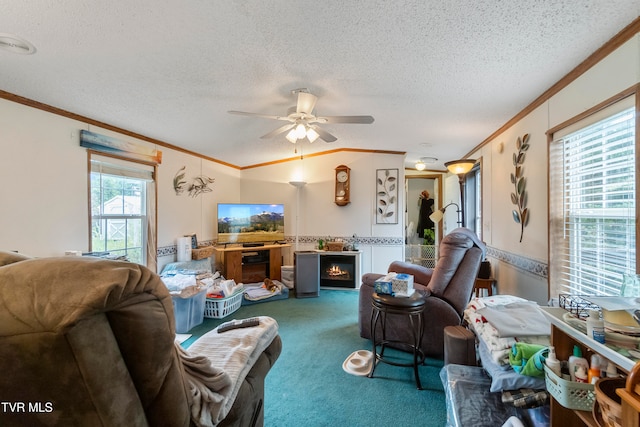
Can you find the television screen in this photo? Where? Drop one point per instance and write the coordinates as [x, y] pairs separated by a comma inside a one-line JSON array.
[[250, 222]]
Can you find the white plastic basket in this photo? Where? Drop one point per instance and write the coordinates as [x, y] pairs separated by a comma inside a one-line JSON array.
[[217, 308], [570, 394]]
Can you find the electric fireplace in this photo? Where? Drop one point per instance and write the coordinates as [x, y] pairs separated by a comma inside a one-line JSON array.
[[338, 271]]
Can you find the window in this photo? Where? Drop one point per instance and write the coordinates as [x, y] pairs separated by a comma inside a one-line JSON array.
[[592, 202], [122, 202], [473, 200]]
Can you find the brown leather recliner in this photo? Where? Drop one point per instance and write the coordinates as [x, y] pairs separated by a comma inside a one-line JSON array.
[[89, 342], [447, 288]]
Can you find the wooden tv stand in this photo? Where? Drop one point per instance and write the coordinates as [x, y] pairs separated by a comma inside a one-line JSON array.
[[268, 263]]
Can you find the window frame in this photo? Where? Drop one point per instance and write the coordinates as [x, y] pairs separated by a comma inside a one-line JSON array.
[[473, 198], [149, 227], [578, 122]]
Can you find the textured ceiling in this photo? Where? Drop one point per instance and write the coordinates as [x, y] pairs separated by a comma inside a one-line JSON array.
[[438, 76]]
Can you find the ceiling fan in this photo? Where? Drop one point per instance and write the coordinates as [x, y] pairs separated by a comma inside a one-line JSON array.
[[303, 123]]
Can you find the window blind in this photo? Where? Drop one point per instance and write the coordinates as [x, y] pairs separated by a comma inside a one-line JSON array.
[[117, 167], [592, 204]]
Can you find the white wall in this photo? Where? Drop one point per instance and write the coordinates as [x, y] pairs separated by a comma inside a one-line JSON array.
[[44, 208], [319, 216], [43, 196], [519, 266], [182, 214]]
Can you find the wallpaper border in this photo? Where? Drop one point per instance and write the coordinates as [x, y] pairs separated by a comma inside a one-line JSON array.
[[520, 262], [529, 265]]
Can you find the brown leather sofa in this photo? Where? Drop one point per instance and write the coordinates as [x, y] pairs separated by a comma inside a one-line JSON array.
[[447, 288], [89, 342]]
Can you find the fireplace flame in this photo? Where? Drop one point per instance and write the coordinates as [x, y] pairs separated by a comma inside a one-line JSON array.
[[335, 270]]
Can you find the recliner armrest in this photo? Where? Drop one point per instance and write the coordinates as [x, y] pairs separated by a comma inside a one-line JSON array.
[[368, 279], [421, 275]]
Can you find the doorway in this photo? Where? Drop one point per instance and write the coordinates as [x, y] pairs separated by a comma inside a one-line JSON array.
[[416, 251]]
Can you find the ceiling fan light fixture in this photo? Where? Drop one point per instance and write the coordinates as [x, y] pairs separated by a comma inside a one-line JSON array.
[[302, 118], [420, 165], [301, 131], [292, 136], [312, 135]]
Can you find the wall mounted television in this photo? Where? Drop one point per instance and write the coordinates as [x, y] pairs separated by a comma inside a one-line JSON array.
[[249, 223]]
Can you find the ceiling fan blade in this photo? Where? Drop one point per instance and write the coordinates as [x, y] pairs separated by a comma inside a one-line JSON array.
[[278, 131], [306, 102], [324, 135], [264, 116], [347, 119]]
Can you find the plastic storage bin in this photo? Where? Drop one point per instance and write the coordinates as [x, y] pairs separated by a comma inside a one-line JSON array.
[[570, 394], [189, 312], [217, 308], [470, 403]]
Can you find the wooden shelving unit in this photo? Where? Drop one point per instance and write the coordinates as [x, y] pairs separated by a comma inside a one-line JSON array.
[[563, 338]]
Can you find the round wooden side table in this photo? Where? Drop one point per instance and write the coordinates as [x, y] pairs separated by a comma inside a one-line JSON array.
[[412, 307]]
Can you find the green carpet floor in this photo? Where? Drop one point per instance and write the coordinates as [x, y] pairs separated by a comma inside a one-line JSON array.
[[308, 387]]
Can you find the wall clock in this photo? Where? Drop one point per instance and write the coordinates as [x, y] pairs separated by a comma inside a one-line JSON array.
[[342, 185]]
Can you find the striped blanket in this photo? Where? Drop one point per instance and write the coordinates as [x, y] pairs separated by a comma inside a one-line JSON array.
[[217, 364]]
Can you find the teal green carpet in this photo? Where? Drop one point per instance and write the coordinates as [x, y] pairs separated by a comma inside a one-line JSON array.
[[307, 386]]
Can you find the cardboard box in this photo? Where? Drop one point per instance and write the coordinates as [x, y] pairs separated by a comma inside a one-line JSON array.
[[398, 285], [383, 285], [402, 285]]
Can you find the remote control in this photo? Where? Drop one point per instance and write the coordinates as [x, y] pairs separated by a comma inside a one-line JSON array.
[[236, 324]]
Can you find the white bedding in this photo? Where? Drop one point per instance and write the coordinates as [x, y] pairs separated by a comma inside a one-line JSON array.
[[517, 319], [498, 346]]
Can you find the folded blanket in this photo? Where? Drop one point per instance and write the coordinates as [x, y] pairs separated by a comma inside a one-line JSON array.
[[209, 386], [517, 319], [528, 359], [498, 347], [233, 352]]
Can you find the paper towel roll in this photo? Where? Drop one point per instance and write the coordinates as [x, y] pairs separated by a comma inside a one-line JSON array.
[[184, 249]]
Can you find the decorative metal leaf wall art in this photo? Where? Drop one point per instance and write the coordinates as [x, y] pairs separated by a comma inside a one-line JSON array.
[[178, 181], [519, 196], [387, 196], [199, 184]]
